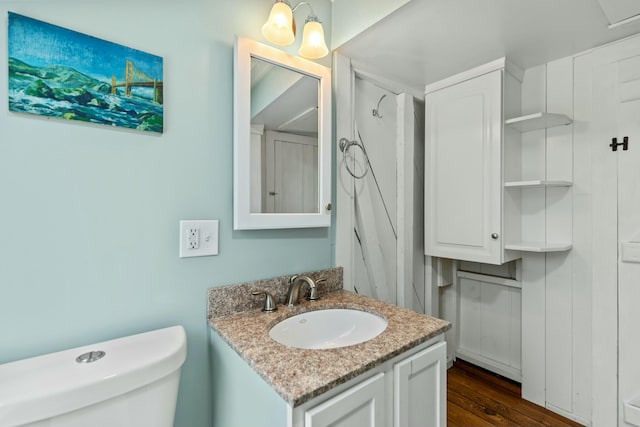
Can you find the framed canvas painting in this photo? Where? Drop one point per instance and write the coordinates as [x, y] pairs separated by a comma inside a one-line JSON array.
[[57, 72]]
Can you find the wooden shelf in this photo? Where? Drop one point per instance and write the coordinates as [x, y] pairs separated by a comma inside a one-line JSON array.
[[538, 121], [538, 183], [538, 247]]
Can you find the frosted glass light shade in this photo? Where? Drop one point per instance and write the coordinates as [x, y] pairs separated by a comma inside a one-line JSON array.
[[313, 45], [279, 27]]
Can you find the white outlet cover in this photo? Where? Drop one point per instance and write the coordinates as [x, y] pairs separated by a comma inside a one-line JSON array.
[[207, 238]]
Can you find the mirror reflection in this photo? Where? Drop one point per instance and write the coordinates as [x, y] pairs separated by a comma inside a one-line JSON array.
[[284, 140]]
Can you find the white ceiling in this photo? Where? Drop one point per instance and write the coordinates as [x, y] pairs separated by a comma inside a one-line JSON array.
[[617, 11], [294, 108], [427, 40]]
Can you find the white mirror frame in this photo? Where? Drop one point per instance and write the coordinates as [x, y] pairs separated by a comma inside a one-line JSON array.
[[243, 218]]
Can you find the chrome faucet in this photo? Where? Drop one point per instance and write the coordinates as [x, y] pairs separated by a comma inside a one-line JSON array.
[[293, 296]]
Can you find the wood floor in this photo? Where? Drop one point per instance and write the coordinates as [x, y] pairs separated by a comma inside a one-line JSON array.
[[479, 398]]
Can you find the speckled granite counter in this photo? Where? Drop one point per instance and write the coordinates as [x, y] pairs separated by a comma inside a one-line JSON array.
[[298, 375]]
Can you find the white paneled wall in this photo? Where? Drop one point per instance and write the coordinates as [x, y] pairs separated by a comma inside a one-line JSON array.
[[489, 319], [490, 326], [483, 302], [556, 289]]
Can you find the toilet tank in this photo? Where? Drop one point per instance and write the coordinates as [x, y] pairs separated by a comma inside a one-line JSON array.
[[125, 382]]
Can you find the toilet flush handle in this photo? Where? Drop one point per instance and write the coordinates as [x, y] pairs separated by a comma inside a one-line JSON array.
[[90, 356]]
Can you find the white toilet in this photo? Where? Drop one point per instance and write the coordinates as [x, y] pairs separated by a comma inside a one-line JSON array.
[[126, 382]]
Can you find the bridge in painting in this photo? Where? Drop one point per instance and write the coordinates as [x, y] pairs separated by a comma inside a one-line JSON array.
[[136, 78]]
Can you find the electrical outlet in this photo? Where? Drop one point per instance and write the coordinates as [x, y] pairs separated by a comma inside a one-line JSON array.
[[198, 238], [193, 238]]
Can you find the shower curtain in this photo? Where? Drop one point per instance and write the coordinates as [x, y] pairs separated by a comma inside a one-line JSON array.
[[375, 197], [380, 178]]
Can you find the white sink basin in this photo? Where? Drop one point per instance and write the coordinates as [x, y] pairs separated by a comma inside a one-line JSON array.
[[329, 328]]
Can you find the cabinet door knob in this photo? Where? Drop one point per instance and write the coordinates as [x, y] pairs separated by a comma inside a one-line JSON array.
[[494, 236]]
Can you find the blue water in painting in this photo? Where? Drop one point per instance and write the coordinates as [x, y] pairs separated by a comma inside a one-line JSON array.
[[121, 111], [62, 60]]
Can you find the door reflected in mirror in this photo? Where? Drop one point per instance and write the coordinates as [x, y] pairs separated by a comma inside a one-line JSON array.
[[284, 140]]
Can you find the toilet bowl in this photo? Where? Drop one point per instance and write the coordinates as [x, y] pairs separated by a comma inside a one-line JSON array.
[[125, 382]]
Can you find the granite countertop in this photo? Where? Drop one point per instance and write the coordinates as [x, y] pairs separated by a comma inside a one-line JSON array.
[[298, 375]]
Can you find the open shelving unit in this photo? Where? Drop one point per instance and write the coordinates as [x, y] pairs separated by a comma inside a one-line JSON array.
[[538, 246], [537, 183], [538, 121], [531, 122]]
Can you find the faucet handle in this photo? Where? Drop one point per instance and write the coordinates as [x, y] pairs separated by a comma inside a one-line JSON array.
[[269, 301]]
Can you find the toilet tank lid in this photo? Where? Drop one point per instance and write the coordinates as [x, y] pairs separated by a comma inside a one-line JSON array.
[[53, 384]]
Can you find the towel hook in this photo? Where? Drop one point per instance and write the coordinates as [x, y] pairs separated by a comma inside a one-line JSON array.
[[376, 111]]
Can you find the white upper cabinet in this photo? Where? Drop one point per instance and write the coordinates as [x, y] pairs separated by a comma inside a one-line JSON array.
[[478, 200], [464, 166]]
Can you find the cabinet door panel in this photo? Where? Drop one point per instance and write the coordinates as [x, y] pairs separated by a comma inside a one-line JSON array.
[[458, 146], [361, 406], [463, 182], [420, 389]]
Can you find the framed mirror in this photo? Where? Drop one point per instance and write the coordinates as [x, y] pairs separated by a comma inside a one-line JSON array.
[[282, 139]]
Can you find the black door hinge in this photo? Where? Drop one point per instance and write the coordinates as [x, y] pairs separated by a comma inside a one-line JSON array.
[[614, 144]]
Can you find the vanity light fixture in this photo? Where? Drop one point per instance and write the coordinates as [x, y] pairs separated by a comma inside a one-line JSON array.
[[280, 29]]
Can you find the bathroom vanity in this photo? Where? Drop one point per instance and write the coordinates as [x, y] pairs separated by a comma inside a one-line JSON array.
[[397, 378]]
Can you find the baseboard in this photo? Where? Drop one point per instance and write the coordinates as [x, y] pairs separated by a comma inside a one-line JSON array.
[[490, 365], [449, 363], [568, 415]]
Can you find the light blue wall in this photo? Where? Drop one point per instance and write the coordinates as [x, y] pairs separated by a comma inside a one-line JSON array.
[[89, 214], [245, 400]]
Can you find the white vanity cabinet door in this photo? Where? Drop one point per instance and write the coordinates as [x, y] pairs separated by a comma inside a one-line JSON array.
[[360, 406], [419, 389], [463, 182]]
